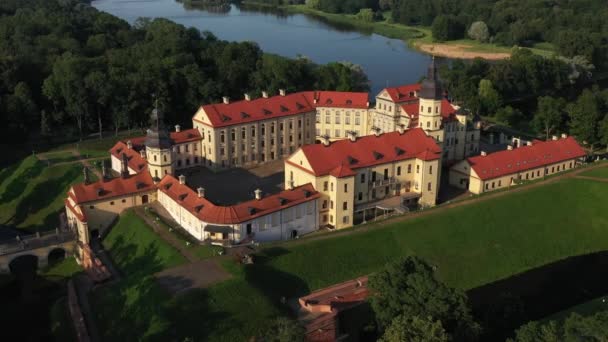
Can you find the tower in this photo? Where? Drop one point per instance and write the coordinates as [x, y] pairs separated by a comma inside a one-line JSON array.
[[159, 146], [430, 96]]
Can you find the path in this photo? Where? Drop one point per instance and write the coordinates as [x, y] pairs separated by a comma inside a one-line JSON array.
[[166, 235], [472, 200], [79, 159], [83, 286], [198, 274]]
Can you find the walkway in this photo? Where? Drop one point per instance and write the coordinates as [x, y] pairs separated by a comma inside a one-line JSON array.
[[79, 159], [163, 233], [83, 286]]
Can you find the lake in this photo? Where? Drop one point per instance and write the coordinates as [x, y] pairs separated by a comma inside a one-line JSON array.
[[385, 61]]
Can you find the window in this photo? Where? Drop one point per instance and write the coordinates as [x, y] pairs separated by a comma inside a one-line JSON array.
[[345, 219], [345, 187], [327, 118], [345, 206], [385, 174], [494, 186], [363, 178], [155, 157], [409, 168], [347, 118], [253, 131], [331, 186], [222, 137], [331, 204], [331, 218], [398, 170], [324, 186], [271, 128], [360, 196], [499, 183], [429, 186], [263, 127], [324, 206], [318, 118], [318, 132], [281, 127], [338, 117], [243, 132], [487, 186], [91, 207], [428, 124], [417, 168], [337, 133], [357, 118], [428, 110], [124, 201], [112, 203], [431, 170]]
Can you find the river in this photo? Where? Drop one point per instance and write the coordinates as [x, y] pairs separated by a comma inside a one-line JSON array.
[[385, 61]]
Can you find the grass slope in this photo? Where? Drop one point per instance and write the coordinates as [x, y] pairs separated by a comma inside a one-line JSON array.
[[601, 172], [31, 193], [471, 245]]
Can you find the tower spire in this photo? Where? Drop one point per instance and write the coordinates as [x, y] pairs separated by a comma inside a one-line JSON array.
[[431, 86]]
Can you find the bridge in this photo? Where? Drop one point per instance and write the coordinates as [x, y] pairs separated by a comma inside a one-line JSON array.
[[41, 246]]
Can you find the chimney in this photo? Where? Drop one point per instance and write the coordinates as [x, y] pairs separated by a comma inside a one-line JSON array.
[[564, 135], [258, 194], [104, 170], [226, 100], [529, 143], [325, 140], [282, 92], [178, 128], [510, 147], [377, 131], [247, 97], [401, 129], [483, 153], [554, 137], [124, 171], [182, 179], [142, 153], [352, 136], [85, 172], [201, 192], [265, 94], [129, 145]]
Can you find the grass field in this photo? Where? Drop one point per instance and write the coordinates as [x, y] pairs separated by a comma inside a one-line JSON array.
[[31, 193], [471, 245], [601, 172]]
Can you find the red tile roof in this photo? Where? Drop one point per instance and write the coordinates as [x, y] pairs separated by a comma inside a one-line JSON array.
[[80, 216], [136, 162], [341, 99], [507, 162], [342, 171], [403, 93], [208, 212], [413, 110], [115, 187], [370, 150], [234, 113], [185, 136]]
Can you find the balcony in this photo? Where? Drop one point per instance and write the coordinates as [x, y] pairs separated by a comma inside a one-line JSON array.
[[383, 182]]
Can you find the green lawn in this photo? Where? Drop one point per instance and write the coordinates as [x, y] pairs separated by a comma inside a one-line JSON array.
[[201, 251], [600, 172], [471, 245], [32, 193], [97, 148], [61, 157], [64, 269]]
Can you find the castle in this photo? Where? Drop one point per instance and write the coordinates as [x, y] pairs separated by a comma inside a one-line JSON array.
[[343, 161]]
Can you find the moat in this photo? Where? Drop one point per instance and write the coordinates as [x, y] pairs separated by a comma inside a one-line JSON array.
[[385, 61]]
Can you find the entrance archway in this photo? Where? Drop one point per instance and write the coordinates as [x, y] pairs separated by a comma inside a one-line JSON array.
[[56, 255]]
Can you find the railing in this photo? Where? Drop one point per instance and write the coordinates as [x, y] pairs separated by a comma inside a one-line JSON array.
[[383, 182], [35, 241]]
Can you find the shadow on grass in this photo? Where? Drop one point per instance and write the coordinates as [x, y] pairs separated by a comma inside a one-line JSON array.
[[138, 308], [16, 187], [505, 305], [278, 286], [43, 195]]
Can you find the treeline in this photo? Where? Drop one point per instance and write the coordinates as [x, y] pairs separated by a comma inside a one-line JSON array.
[[489, 88], [574, 28], [68, 69]]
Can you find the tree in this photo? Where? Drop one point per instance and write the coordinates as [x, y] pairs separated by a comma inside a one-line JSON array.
[[409, 287], [576, 328], [414, 329], [549, 114], [366, 15], [604, 131], [447, 27], [479, 31], [535, 332], [509, 115], [284, 330], [100, 92], [585, 117], [490, 99]]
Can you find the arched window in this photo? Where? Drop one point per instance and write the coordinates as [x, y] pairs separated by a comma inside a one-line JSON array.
[[428, 125]]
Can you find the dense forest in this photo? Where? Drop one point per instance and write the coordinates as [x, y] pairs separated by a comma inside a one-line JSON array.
[[70, 70], [574, 28]]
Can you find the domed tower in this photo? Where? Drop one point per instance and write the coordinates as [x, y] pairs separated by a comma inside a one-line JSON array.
[[159, 146], [430, 96]]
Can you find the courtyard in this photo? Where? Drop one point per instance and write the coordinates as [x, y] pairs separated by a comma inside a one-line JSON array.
[[237, 185]]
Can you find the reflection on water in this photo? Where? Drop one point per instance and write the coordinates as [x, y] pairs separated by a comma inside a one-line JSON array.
[[385, 61]]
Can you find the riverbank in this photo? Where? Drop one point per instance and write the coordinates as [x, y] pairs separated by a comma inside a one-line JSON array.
[[417, 37]]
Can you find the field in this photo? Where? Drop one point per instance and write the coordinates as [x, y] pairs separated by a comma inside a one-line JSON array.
[[31, 193], [471, 245], [601, 172]]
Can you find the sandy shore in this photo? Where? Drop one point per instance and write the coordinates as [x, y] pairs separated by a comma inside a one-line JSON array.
[[460, 51]]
